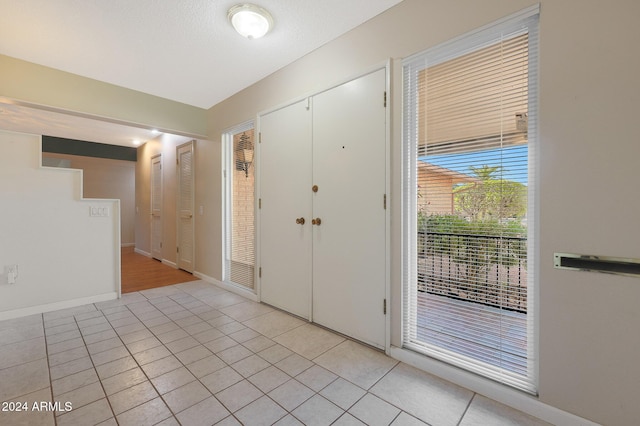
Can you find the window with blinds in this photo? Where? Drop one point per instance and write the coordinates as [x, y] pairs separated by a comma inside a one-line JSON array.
[[469, 132], [240, 222]]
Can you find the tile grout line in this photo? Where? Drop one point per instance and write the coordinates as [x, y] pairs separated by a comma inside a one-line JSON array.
[[46, 351], [345, 338], [173, 354], [140, 366], [184, 365], [464, 413], [25, 362], [94, 365], [368, 392], [232, 414]]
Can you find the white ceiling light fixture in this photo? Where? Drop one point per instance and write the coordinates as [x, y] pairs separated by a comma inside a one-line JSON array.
[[250, 21]]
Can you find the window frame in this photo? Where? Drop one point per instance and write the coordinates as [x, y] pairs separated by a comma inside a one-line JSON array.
[[228, 169], [523, 21]]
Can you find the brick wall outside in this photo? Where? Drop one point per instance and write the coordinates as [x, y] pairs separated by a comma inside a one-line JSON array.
[[242, 220]]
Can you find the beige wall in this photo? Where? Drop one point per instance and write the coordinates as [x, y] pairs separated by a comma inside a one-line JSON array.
[[589, 157], [588, 346], [105, 178], [435, 188], [28, 82], [65, 257]]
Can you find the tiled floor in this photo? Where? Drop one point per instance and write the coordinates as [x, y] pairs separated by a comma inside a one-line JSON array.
[[194, 354]]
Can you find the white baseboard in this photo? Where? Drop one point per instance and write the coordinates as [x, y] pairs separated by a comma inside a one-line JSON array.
[[503, 394], [144, 253], [128, 245], [244, 292], [48, 307], [169, 263]]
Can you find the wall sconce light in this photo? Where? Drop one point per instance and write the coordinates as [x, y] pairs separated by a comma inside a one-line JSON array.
[[244, 154], [250, 21]]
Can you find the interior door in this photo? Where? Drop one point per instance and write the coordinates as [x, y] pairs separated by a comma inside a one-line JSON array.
[[285, 208], [185, 188], [156, 207], [349, 168]]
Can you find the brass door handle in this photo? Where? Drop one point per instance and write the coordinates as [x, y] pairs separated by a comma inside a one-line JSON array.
[[316, 221], [300, 221]]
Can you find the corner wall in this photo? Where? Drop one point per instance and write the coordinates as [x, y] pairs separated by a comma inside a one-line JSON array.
[[112, 179], [65, 257]]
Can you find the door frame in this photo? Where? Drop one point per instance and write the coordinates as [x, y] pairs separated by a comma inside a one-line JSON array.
[[151, 199], [191, 145], [227, 166], [387, 66]]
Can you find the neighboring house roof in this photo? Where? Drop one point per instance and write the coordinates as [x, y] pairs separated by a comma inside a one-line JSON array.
[[456, 177]]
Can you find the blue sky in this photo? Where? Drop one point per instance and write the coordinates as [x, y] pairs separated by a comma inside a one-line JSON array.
[[513, 161]]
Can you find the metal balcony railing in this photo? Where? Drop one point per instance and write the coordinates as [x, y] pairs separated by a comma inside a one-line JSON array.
[[484, 269]]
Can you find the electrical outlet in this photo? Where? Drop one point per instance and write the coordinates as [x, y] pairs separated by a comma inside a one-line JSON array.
[[98, 211], [12, 273]]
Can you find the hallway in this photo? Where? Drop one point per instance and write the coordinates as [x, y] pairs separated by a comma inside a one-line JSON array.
[[142, 273]]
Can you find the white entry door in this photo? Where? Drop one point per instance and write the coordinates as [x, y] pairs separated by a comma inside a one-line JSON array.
[[156, 207], [349, 169], [185, 187], [285, 208]]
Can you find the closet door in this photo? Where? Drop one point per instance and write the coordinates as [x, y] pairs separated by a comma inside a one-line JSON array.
[[349, 169], [185, 238], [285, 211]]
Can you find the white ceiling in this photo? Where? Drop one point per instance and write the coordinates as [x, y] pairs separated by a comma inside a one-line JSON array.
[[183, 50]]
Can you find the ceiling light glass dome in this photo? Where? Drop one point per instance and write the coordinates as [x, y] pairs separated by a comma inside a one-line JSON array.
[[250, 21]]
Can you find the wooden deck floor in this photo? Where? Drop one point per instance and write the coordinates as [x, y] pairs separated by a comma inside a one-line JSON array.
[[497, 337], [142, 273]]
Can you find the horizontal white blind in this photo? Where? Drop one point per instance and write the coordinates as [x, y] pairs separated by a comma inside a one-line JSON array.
[[241, 223], [469, 128]]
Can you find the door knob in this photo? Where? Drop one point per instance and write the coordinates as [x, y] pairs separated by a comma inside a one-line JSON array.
[[300, 221], [316, 221]]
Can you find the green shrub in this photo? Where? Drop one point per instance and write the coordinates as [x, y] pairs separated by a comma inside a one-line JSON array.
[[474, 243]]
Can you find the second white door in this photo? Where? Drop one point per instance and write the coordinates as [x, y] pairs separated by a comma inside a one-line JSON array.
[[349, 169], [184, 155], [285, 209]]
